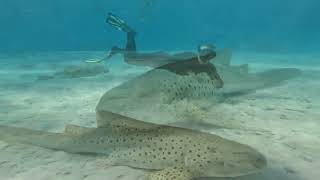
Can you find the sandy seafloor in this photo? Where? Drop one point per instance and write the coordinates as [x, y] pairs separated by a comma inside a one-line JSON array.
[[286, 117]]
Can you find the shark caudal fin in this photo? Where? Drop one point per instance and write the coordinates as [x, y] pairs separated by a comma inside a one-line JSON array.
[[32, 137]]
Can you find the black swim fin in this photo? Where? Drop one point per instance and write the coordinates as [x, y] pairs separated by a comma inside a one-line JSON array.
[[118, 23]]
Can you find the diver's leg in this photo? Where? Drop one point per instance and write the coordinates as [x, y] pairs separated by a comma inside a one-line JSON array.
[[115, 50], [214, 76], [130, 46], [131, 42], [121, 25]]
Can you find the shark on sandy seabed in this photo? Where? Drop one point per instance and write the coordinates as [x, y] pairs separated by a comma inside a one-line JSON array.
[[170, 153], [166, 93], [166, 84]]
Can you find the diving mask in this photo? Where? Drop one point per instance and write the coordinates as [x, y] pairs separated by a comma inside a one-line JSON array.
[[205, 50]]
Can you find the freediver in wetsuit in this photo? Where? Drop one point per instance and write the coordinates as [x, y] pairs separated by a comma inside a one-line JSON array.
[[180, 63]]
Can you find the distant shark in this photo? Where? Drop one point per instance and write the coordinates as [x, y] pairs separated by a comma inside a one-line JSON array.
[[170, 153]]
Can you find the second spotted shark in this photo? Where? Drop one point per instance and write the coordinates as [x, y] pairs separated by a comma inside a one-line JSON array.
[[169, 153]]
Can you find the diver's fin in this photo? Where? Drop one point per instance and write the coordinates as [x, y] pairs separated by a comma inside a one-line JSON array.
[[114, 50], [171, 173], [118, 23], [93, 60], [113, 18]]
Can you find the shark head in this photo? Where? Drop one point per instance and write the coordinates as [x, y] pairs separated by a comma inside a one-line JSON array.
[[226, 159]]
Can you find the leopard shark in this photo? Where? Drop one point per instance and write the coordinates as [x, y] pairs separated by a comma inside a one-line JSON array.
[[166, 152], [171, 96]]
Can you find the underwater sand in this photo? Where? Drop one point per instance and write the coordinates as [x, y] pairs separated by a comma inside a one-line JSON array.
[[282, 122]]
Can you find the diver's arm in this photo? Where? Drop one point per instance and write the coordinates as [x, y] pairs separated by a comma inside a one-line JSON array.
[[213, 74], [184, 56]]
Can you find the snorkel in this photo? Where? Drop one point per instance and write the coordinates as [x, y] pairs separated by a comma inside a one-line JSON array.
[[205, 53]]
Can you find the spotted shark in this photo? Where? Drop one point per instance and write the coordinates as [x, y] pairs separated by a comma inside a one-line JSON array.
[[165, 85], [168, 153], [164, 92]]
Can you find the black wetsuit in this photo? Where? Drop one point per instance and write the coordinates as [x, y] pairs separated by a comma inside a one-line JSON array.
[[155, 59], [180, 63]]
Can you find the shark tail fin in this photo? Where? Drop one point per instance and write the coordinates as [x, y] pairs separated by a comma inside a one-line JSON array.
[[32, 137]]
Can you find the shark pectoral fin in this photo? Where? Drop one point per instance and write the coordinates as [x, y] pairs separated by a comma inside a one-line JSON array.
[[107, 119], [223, 57], [171, 173], [72, 129]]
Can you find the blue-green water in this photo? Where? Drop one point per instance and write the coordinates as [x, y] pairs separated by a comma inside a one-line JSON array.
[[162, 24], [267, 56]]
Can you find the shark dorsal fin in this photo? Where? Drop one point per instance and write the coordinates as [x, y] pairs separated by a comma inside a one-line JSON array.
[[107, 119], [72, 129], [223, 57]]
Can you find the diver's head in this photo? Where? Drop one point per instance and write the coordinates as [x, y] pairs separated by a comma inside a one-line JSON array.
[[206, 52]]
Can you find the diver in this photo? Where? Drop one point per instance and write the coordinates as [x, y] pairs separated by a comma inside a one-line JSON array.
[[180, 63]]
